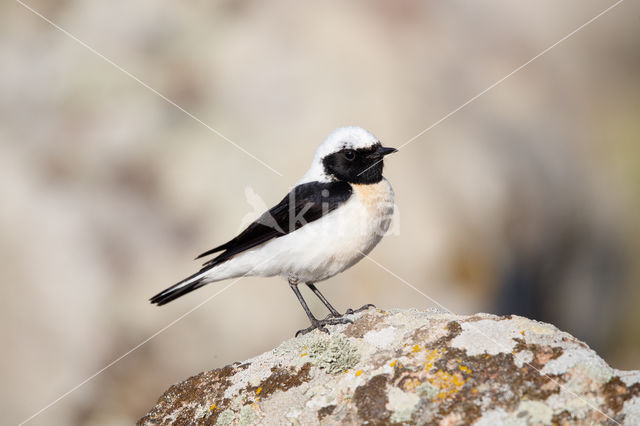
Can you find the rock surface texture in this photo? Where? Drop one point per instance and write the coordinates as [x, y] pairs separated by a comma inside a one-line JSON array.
[[409, 366]]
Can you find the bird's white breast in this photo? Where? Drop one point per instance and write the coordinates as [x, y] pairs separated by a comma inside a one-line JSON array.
[[340, 239]]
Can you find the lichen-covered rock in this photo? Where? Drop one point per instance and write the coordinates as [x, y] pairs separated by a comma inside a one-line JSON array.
[[409, 366]]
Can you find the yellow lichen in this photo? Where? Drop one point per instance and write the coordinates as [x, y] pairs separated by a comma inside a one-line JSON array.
[[359, 372], [259, 390], [393, 364], [213, 407], [416, 348], [447, 383], [411, 384], [431, 356], [304, 354], [464, 369]]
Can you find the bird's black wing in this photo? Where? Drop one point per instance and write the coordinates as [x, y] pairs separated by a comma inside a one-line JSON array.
[[305, 203]]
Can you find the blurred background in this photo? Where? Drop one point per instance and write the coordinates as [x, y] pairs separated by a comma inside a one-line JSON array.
[[525, 201]]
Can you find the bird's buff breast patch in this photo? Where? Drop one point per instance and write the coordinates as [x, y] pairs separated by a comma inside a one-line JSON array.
[[377, 199]]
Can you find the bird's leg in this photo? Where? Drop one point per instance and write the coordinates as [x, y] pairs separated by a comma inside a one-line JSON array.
[[331, 309], [293, 283], [334, 313], [315, 323]]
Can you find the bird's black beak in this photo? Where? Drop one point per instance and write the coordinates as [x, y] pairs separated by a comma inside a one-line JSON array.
[[386, 151]]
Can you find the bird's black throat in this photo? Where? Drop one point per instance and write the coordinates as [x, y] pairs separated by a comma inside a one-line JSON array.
[[360, 166]]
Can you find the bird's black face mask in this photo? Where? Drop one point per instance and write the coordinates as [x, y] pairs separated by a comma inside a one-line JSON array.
[[362, 165]]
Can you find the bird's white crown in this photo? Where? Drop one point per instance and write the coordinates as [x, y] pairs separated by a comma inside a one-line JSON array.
[[348, 137]]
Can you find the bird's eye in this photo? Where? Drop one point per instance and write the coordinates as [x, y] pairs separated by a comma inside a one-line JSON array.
[[349, 154]]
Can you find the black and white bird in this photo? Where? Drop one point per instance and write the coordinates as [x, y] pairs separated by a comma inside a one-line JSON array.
[[335, 215]]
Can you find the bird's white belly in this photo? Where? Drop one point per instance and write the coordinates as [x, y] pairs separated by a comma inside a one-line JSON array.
[[325, 247]]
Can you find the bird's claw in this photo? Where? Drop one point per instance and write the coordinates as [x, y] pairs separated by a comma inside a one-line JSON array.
[[311, 328], [320, 324], [332, 319], [364, 308]]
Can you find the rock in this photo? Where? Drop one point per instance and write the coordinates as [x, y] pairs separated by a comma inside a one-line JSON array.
[[410, 366]]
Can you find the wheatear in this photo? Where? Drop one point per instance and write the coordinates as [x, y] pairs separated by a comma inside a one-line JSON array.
[[332, 218]]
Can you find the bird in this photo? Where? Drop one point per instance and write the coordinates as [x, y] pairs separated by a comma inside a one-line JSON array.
[[332, 218]]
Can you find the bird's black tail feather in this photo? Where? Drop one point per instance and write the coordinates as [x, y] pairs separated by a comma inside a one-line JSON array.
[[185, 286]]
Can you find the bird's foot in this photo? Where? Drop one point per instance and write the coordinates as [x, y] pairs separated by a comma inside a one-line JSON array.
[[350, 311], [333, 315], [320, 324], [364, 308]]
